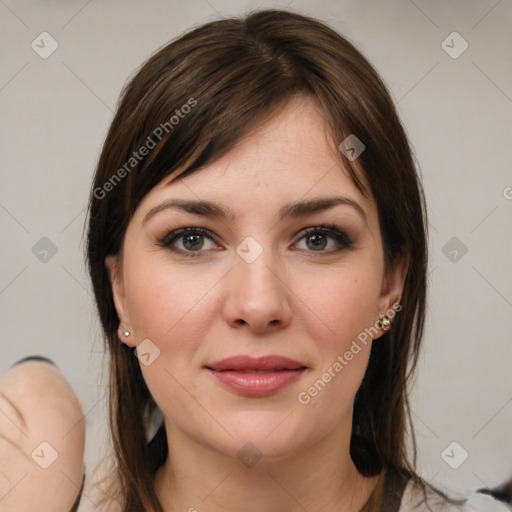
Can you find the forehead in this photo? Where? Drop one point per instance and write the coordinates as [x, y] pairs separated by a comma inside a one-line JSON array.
[[289, 157]]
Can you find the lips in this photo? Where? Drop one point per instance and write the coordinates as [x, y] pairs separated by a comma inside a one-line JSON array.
[[261, 376], [247, 364]]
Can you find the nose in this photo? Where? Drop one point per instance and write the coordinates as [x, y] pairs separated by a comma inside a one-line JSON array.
[[256, 296]]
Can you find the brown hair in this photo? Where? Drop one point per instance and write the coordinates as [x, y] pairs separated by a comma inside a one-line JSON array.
[[234, 74]]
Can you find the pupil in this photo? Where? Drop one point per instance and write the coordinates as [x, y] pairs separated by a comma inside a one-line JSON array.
[[318, 241], [196, 243]]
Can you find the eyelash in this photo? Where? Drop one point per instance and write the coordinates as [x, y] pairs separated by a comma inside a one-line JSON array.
[[327, 230]]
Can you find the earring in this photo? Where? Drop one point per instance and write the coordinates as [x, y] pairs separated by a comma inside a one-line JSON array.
[[126, 334], [385, 323]]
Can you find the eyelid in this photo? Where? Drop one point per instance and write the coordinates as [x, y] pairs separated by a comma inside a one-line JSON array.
[[334, 232], [175, 234], [330, 230]]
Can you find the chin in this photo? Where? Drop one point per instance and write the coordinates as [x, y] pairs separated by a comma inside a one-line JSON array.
[[262, 436]]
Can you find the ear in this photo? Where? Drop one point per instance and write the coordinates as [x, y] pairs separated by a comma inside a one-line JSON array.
[[393, 284], [118, 293]]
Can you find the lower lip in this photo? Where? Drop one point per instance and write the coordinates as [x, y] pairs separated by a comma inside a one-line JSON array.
[[257, 384]]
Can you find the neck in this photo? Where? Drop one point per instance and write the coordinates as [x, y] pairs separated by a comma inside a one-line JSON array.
[[320, 477]]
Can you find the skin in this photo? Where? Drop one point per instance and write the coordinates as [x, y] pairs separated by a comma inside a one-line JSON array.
[[295, 299], [38, 405]]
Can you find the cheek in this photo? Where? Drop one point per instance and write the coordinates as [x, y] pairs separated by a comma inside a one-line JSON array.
[[340, 312], [342, 342], [340, 305], [167, 305], [173, 310]]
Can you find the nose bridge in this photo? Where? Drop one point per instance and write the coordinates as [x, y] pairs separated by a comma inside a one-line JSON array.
[[256, 294], [256, 277]]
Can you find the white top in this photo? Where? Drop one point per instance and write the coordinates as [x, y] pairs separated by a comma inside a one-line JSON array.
[[412, 501]]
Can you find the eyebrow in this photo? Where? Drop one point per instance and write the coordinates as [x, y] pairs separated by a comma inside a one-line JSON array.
[[291, 210]]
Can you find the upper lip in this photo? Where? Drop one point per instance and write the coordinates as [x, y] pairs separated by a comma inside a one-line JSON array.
[[242, 362]]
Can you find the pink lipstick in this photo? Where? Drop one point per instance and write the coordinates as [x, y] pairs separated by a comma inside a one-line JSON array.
[[257, 376]]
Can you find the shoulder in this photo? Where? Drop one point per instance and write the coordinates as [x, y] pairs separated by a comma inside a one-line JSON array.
[[413, 501]]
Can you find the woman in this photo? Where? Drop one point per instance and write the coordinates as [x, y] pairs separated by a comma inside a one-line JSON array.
[[257, 234]]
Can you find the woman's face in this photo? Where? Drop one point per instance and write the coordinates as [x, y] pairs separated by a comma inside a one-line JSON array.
[[257, 275]]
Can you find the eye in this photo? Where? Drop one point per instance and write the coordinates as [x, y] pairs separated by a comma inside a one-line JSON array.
[[317, 239], [188, 241], [192, 241]]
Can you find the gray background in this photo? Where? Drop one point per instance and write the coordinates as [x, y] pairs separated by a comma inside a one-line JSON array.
[[458, 113]]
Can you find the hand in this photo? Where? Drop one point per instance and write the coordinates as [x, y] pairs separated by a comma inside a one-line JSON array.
[[42, 437]]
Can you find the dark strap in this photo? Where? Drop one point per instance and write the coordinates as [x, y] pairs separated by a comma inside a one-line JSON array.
[[74, 508]]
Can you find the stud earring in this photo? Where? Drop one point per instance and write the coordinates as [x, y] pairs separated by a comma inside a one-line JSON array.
[[126, 334], [385, 323]]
